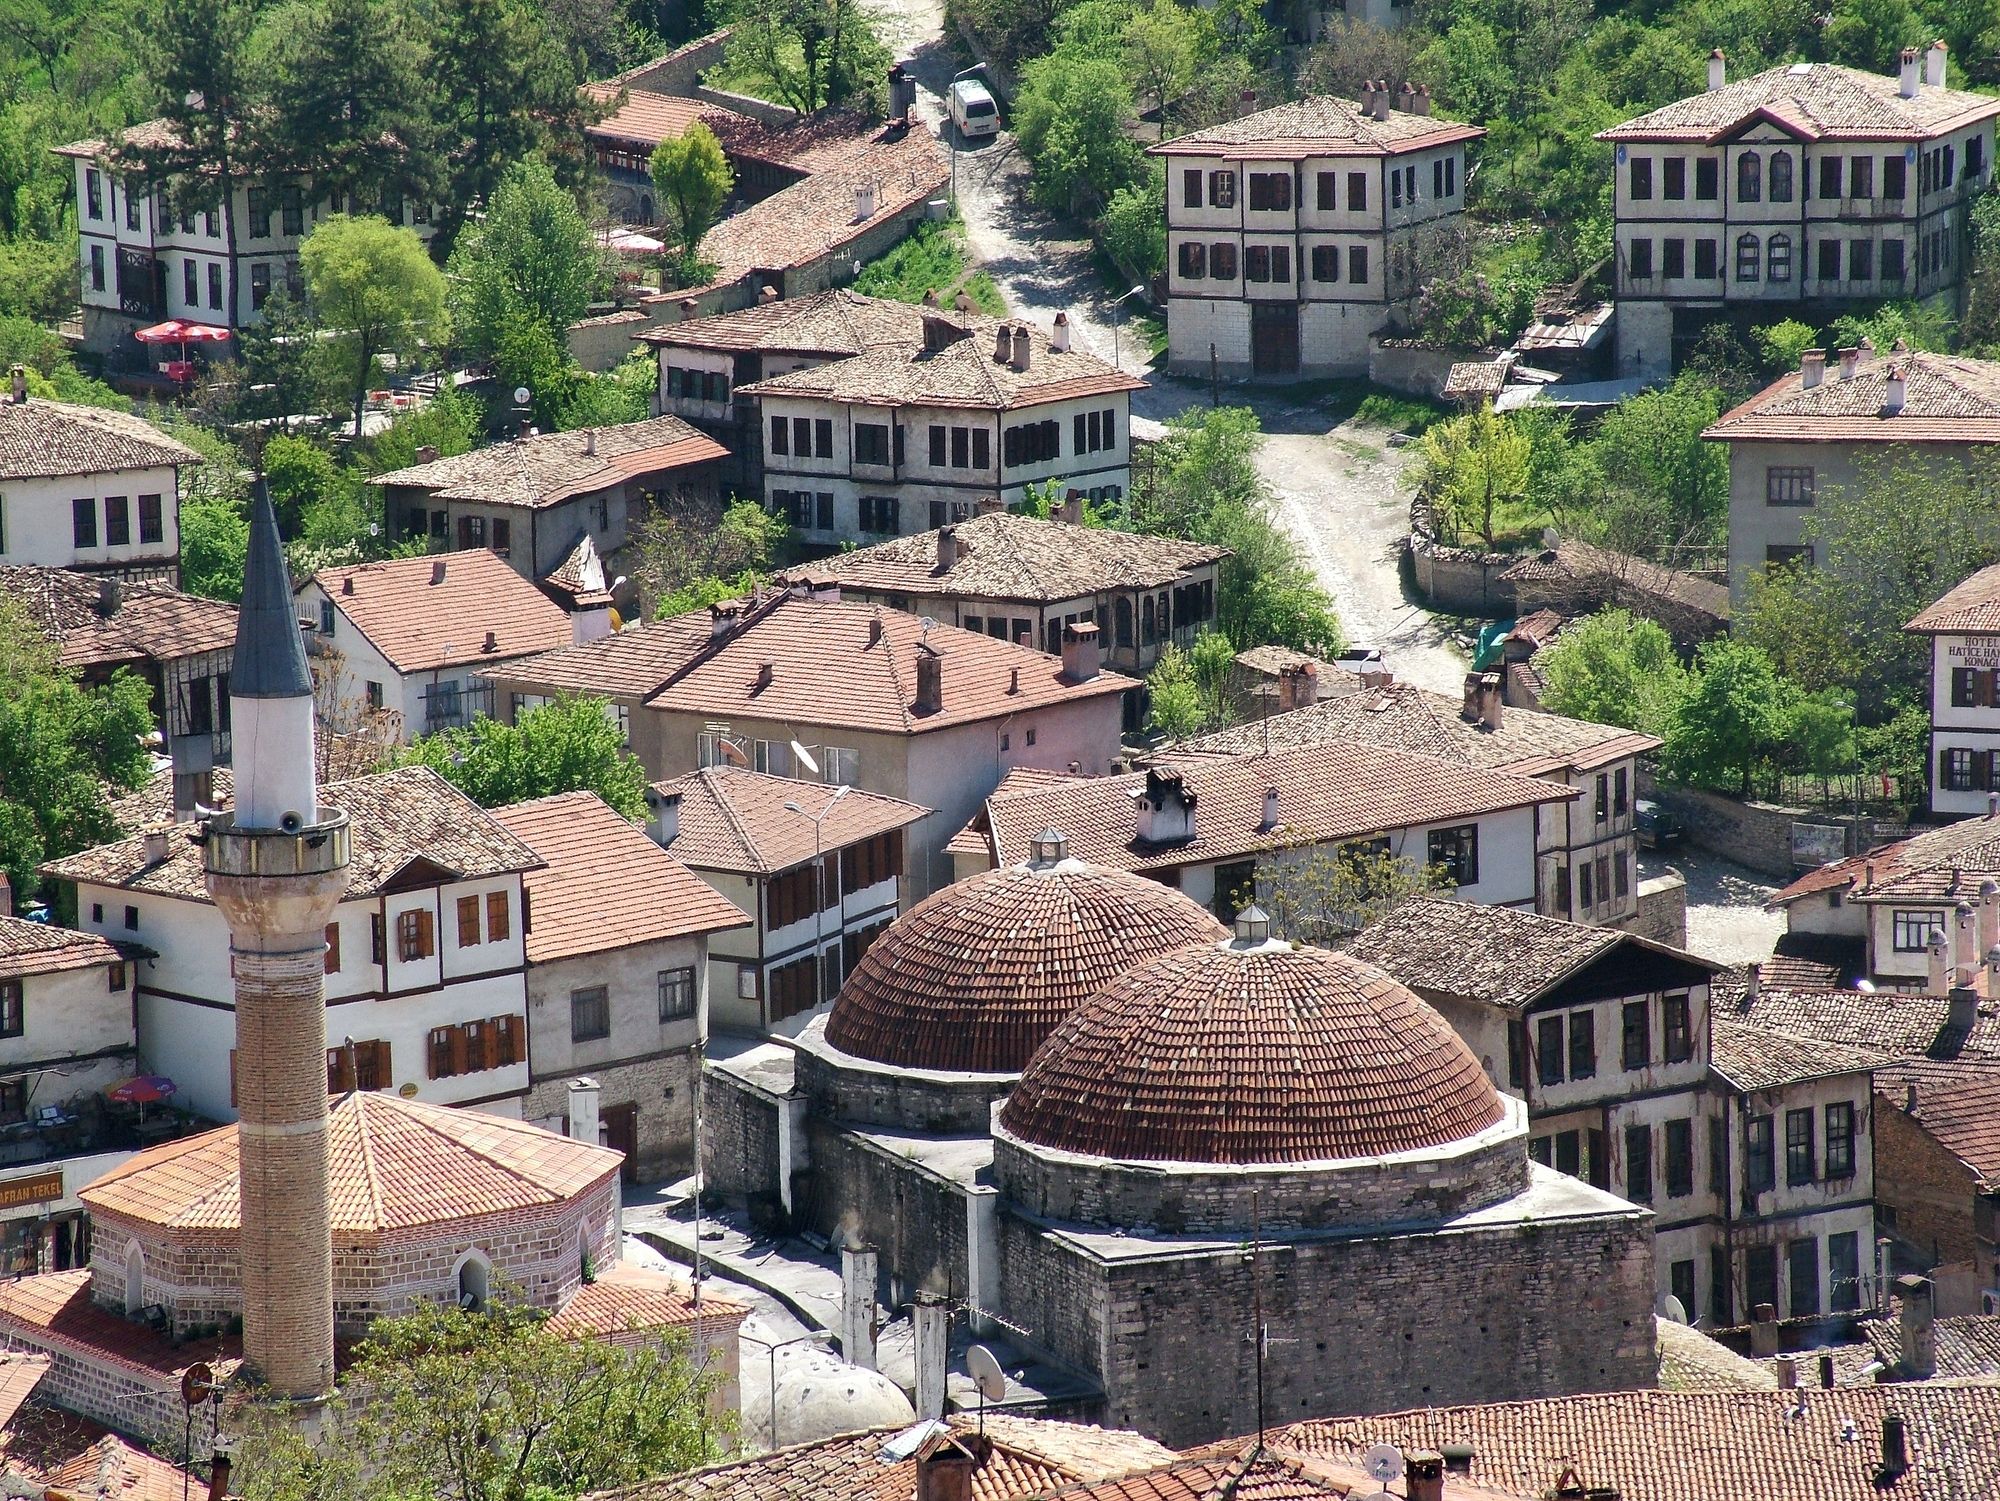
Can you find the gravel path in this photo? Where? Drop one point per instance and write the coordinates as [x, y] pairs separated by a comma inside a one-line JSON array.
[[1726, 919]]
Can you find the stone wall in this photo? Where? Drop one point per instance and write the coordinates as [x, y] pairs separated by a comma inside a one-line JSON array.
[[914, 1218], [1175, 1198], [739, 1139], [1416, 369], [1755, 834], [1931, 1192], [663, 1089], [1370, 1324], [843, 1087], [133, 1399], [1663, 910], [1460, 580]]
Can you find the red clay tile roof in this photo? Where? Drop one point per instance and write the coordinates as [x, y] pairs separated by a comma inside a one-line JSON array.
[[1815, 961], [1958, 1105], [1245, 1053], [648, 118], [837, 324], [812, 218], [1031, 1457], [963, 374], [44, 439], [1972, 846], [1325, 793], [1816, 101], [1404, 717], [393, 1164], [1472, 952], [80, 1460], [1318, 126], [1903, 1024], [58, 1309], [1587, 567], [395, 818], [425, 613], [833, 664], [1752, 1058], [1972, 605], [1947, 399], [735, 820], [36, 948], [550, 467], [21, 1371], [1968, 1345], [1809, 1445], [1008, 557], [629, 1298], [976, 976], [151, 621], [606, 885]]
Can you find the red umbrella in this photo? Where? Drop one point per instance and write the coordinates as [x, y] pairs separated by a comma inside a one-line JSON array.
[[146, 1089], [180, 331]]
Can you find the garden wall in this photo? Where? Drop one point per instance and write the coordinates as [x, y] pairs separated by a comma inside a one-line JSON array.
[[1458, 580], [1415, 368], [1760, 835]]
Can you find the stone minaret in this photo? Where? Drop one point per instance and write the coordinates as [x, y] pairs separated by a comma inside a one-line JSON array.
[[276, 866]]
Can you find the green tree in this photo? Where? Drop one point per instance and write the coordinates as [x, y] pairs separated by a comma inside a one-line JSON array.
[[1871, 33], [1611, 668], [299, 472], [44, 30], [1651, 447], [451, 1405], [1782, 343], [1323, 894], [280, 378], [1980, 327], [1165, 43], [690, 553], [570, 745], [1133, 228], [531, 258], [810, 54], [694, 180], [1731, 715], [613, 397], [1475, 472], [374, 286], [1187, 690], [63, 749], [215, 540], [1070, 118], [212, 109], [347, 97]]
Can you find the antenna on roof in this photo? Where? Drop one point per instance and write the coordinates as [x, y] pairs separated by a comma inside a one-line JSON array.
[[1262, 1331]]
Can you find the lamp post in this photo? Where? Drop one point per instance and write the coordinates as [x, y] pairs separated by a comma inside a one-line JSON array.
[[819, 888], [771, 1349], [1116, 362]]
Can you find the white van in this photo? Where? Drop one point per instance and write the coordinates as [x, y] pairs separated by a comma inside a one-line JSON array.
[[973, 110]]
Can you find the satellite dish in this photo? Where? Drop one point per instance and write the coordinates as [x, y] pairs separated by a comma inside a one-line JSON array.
[[521, 395], [1383, 1462], [986, 1373], [1673, 1310], [804, 757]]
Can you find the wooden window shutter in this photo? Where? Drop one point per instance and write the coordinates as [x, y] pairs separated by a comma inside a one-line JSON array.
[[338, 1079], [426, 935], [468, 921], [371, 1063], [332, 948], [461, 1048], [441, 1052], [508, 1031], [377, 944], [497, 926]]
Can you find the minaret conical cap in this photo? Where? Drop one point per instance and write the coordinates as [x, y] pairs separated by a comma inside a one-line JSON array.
[[270, 654]]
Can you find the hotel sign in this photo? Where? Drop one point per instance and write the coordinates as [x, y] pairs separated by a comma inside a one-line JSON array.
[[36, 1188], [1975, 651]]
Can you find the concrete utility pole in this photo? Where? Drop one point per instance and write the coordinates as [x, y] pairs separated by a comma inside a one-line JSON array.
[[276, 867]]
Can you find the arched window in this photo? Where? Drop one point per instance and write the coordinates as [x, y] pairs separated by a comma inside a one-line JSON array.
[[1123, 615], [475, 1274], [1778, 258], [1781, 177], [1749, 178], [645, 208], [1747, 252], [135, 1278]]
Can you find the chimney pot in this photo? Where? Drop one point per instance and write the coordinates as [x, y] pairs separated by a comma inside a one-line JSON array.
[[1895, 1445], [1812, 368], [1423, 1475], [864, 202], [1893, 394], [1934, 60], [1023, 355], [1003, 345], [664, 816], [219, 1467], [590, 442], [1938, 956], [1826, 1372], [427, 454], [17, 379], [1013, 680], [437, 572], [767, 293], [156, 846], [1059, 339], [765, 672], [1080, 652], [1788, 1373], [110, 595], [1420, 103], [1850, 360], [1718, 69], [1404, 95], [1753, 976], [689, 308], [1382, 99], [1906, 82], [491, 643], [1763, 1332], [947, 548], [1270, 818], [930, 682], [874, 630], [347, 584]]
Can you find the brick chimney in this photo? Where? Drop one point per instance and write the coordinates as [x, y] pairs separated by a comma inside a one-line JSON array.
[[1420, 102], [1763, 1332], [437, 572], [1906, 81], [940, 332], [1003, 344], [1380, 109], [765, 672], [1298, 686], [1423, 1475], [1895, 1447], [1812, 368], [1718, 69], [1934, 61], [930, 681], [1403, 97], [1080, 656]]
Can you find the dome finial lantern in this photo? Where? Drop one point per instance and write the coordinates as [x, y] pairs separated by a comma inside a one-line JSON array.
[[1253, 927], [1050, 846]]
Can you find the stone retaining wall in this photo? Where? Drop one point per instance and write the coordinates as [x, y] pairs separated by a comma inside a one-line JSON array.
[[1459, 580]]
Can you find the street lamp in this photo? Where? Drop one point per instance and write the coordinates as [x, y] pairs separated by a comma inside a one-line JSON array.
[[819, 888], [771, 1348], [1116, 362]]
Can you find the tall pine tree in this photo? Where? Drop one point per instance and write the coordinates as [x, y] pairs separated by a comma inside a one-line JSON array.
[[348, 100]]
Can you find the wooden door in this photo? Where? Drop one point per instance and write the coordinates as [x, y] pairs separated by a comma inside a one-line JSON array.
[[1274, 338], [621, 1134]]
